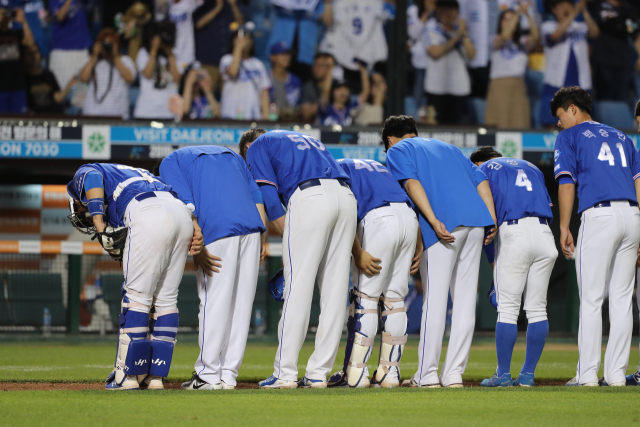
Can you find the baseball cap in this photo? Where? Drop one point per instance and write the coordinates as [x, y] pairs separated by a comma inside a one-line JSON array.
[[280, 47]]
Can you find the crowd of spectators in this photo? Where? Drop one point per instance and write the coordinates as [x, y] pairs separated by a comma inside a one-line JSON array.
[[496, 62]]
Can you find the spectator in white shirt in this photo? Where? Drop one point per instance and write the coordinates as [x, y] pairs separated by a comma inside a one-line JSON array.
[[507, 100], [180, 12], [417, 16], [448, 46], [109, 75], [159, 73], [245, 94]]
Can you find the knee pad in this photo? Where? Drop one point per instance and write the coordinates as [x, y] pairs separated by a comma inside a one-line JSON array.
[[134, 348], [358, 344], [164, 328]]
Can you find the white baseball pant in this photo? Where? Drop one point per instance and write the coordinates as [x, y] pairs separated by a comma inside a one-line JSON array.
[[388, 233], [454, 267], [160, 233], [525, 255], [320, 226], [226, 300], [606, 253]]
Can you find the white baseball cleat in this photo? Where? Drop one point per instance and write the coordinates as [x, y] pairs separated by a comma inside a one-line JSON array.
[[151, 382], [386, 383], [195, 383], [309, 383], [274, 382], [414, 384], [130, 383], [457, 385], [574, 383], [226, 386]]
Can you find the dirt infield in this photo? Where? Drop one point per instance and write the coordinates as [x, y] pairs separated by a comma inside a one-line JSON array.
[[38, 386]]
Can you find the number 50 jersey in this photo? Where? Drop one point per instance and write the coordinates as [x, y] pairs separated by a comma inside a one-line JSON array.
[[601, 160], [285, 159], [518, 189]]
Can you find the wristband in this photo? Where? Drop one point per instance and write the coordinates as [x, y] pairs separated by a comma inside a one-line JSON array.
[[96, 206]]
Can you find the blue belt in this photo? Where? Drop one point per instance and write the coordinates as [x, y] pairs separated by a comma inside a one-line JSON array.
[[543, 221], [608, 204], [315, 182], [140, 197]]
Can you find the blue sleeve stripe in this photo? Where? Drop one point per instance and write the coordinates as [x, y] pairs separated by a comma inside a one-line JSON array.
[[636, 177]]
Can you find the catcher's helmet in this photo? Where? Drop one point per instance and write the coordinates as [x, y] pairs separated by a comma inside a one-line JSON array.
[[80, 220]]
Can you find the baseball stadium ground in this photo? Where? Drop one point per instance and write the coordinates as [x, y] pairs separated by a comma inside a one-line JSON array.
[[59, 383]]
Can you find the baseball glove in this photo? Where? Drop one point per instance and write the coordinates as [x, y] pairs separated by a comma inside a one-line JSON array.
[[276, 286], [113, 240]]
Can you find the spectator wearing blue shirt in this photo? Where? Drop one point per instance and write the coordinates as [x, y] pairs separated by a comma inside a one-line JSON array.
[[70, 40], [33, 10], [286, 89], [197, 93], [338, 110], [213, 22]]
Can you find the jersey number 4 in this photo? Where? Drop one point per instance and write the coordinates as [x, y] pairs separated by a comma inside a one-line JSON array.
[[306, 142], [523, 181], [606, 155]]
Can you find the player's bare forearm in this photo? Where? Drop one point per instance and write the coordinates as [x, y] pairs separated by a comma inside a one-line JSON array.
[[264, 104], [566, 197], [263, 237], [484, 190], [594, 30], [637, 184], [417, 255], [278, 225], [419, 196]]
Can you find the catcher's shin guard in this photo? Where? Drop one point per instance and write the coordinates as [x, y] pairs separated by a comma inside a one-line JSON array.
[[134, 349], [358, 344], [391, 348], [163, 339]]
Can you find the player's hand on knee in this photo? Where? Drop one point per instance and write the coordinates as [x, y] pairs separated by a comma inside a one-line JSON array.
[[368, 264], [442, 233], [208, 262], [197, 242], [566, 244], [417, 256], [491, 235]]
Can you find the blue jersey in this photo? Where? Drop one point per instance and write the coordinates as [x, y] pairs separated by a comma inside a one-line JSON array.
[[116, 199], [449, 179], [216, 184], [518, 189], [372, 184], [284, 159], [601, 160]]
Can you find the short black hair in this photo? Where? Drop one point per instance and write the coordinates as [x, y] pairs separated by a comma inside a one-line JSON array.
[[447, 4], [248, 137], [398, 126], [484, 154], [637, 114], [550, 4], [573, 95], [323, 55]]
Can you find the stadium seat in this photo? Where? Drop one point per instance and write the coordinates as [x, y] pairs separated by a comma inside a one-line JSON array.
[[30, 293], [616, 114], [111, 284], [188, 301]]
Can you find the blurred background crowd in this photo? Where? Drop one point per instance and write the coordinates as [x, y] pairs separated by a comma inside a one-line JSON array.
[[325, 62]]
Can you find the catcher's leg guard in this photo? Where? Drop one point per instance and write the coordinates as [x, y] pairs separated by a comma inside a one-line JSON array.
[[358, 344], [392, 346], [134, 349], [164, 328]]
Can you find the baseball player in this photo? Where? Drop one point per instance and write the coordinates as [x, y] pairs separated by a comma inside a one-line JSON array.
[[603, 162], [451, 193], [634, 379], [384, 252], [216, 185], [526, 253], [120, 204], [318, 229]]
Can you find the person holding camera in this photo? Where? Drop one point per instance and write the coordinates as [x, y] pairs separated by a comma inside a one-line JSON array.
[[197, 94], [70, 41], [159, 73], [13, 84], [245, 94], [109, 75]]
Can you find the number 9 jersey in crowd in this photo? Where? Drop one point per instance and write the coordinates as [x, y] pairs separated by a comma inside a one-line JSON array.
[[603, 163], [319, 230], [160, 233]]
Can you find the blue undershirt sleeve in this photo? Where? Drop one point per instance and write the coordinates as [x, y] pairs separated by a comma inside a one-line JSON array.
[[272, 203]]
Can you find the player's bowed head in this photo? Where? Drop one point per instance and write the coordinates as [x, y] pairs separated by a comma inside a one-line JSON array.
[[247, 139], [571, 106]]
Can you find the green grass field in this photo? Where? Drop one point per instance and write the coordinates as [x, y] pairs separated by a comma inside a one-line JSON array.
[[90, 361]]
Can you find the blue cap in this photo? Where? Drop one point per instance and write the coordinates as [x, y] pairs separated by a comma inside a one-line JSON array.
[[280, 47]]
